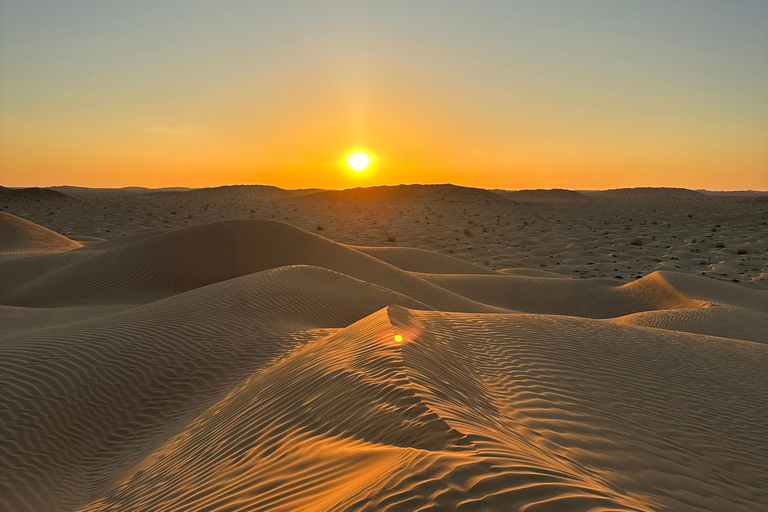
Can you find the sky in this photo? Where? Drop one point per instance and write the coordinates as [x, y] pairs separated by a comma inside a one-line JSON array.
[[514, 94]]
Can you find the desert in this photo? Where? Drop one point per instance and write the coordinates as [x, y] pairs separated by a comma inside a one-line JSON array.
[[415, 347], [384, 256]]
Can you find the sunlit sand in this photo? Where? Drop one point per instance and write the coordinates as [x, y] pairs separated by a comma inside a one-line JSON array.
[[391, 348]]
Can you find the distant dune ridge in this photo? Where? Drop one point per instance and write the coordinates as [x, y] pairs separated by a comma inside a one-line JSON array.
[[645, 192], [33, 194], [555, 194], [258, 352]]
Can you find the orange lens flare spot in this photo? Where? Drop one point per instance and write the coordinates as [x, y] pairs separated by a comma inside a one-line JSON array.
[[398, 338]]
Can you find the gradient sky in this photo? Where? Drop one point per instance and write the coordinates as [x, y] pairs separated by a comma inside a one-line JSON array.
[[500, 94]]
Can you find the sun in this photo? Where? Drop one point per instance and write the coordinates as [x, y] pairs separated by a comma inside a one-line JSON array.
[[359, 161]]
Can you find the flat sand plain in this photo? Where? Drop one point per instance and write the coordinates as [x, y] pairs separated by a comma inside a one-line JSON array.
[[391, 348]]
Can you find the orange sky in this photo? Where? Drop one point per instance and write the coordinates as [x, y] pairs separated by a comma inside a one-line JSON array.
[[502, 95]]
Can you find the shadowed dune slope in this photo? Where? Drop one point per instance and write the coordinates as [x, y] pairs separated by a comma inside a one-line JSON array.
[[718, 291], [174, 262], [420, 260], [18, 272], [531, 272], [474, 413], [21, 236], [717, 320], [573, 297], [89, 399], [15, 320]]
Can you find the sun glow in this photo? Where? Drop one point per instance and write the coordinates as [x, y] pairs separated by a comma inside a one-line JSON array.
[[359, 161]]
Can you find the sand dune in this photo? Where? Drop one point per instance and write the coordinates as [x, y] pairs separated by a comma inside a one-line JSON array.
[[525, 420], [717, 320], [585, 298], [90, 396], [21, 236], [389, 349], [36, 194], [420, 260], [717, 291], [171, 263]]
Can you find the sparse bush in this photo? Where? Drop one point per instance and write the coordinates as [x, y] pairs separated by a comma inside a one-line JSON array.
[[467, 232], [319, 228], [720, 244], [742, 251], [637, 241], [391, 238]]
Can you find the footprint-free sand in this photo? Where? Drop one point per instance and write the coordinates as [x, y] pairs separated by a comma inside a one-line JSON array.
[[405, 348]]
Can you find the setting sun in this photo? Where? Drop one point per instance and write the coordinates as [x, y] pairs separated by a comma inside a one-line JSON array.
[[359, 161]]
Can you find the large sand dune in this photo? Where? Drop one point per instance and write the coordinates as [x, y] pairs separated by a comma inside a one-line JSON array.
[[246, 364]]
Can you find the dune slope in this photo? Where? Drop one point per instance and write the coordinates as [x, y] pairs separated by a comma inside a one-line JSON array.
[[170, 263], [21, 236], [573, 297], [474, 412], [88, 397]]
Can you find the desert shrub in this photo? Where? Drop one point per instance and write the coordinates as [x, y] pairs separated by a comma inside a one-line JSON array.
[[637, 241], [742, 251], [319, 228], [719, 244], [391, 238], [467, 232]]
